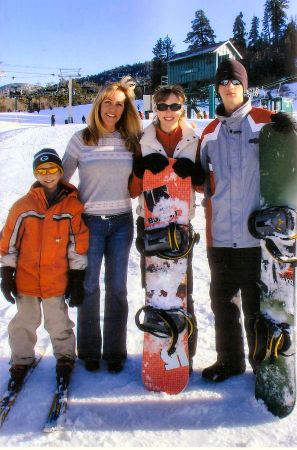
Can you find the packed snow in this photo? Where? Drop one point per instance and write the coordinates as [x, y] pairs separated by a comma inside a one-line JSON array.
[[115, 410]]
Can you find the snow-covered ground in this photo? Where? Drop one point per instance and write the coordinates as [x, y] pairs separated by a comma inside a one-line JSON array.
[[116, 410]]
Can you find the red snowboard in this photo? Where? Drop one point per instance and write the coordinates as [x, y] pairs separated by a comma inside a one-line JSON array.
[[167, 199]]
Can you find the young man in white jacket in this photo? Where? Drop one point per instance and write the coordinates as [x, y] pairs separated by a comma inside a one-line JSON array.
[[229, 154]]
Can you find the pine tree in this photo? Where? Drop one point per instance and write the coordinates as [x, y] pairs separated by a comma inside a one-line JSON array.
[[168, 47], [290, 41], [254, 53], [158, 50], [163, 50], [202, 34], [239, 33], [275, 10], [266, 35], [254, 36]]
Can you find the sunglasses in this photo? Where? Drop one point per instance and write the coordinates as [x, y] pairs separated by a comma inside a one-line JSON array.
[[226, 82], [173, 106], [49, 170]]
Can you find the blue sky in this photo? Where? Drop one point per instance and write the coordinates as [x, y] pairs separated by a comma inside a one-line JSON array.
[[39, 37]]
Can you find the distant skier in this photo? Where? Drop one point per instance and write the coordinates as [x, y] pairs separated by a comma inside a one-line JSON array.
[[229, 154], [43, 254], [53, 120], [83, 119]]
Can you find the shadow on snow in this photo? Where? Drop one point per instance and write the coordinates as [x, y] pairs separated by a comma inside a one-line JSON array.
[[100, 401]]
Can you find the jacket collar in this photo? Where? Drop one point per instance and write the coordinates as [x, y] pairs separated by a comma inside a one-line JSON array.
[[64, 190], [149, 137], [237, 116]]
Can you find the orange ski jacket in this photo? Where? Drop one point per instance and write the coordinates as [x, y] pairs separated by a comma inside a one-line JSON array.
[[43, 242]]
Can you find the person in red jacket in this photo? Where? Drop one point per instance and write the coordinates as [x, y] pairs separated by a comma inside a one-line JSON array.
[[43, 255], [169, 136]]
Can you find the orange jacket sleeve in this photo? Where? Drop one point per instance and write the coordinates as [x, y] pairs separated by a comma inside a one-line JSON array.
[[200, 188], [11, 236]]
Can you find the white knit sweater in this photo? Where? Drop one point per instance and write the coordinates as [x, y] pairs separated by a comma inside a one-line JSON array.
[[104, 170]]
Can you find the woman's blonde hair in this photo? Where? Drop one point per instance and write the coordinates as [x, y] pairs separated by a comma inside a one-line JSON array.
[[129, 124]]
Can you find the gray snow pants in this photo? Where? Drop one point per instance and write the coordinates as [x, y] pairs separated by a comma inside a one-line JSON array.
[[22, 328]]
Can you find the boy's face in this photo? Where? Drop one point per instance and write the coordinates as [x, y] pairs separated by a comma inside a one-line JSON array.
[[48, 180], [232, 96]]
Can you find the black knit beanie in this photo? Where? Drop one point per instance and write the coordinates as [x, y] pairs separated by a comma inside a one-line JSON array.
[[47, 155], [230, 69]]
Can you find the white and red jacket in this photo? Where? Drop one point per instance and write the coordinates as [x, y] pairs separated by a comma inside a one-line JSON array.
[[182, 143], [229, 154]]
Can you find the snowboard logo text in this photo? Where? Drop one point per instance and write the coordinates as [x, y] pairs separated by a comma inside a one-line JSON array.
[[152, 220]]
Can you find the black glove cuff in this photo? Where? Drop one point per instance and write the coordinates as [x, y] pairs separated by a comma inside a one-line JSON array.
[[76, 275], [198, 177], [7, 271], [138, 168]]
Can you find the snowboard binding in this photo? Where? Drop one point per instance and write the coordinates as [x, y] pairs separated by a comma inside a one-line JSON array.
[[272, 339], [276, 226], [164, 323], [170, 242], [279, 221]]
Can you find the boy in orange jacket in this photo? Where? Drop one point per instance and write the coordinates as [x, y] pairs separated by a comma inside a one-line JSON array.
[[43, 255]]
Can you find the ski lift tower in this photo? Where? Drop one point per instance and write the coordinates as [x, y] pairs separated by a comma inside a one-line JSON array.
[[70, 73]]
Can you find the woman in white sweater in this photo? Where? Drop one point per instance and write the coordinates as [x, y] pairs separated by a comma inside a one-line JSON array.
[[103, 154]]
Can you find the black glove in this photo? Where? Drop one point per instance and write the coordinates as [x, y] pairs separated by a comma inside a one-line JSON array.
[[283, 122], [184, 167], [75, 288], [8, 283], [155, 162]]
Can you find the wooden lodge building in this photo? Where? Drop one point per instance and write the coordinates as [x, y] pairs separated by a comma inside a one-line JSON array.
[[193, 70]]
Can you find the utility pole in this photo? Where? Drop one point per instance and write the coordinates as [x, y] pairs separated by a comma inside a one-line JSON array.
[[70, 119], [211, 93], [65, 73], [15, 97]]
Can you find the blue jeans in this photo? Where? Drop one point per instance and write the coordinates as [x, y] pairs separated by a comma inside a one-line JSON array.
[[112, 238]]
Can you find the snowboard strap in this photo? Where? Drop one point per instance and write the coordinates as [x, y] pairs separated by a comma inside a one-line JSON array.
[[272, 339], [194, 240], [164, 323], [279, 254], [170, 242]]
